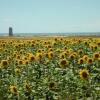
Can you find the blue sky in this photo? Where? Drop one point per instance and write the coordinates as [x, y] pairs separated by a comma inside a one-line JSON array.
[[32, 16]]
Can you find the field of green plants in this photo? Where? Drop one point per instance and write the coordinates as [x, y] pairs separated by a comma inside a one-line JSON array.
[[59, 68]]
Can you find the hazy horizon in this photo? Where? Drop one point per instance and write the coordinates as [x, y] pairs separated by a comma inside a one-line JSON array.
[[50, 16], [54, 34]]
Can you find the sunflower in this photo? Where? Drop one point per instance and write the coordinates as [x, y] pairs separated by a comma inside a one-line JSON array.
[[84, 74], [52, 85], [14, 54], [25, 58], [3, 44], [65, 53], [1, 49], [72, 56], [32, 58], [27, 87], [20, 62], [26, 62], [50, 55], [49, 46], [61, 39], [4, 63], [45, 42], [98, 43], [91, 46], [86, 43], [96, 56], [64, 63], [18, 56], [16, 46], [80, 52], [33, 41], [39, 50], [95, 47], [17, 71], [75, 54], [68, 52], [65, 48], [85, 57], [56, 39], [50, 49], [6, 50], [21, 52], [32, 45], [62, 55], [39, 56], [29, 54], [13, 89], [81, 61], [90, 61]]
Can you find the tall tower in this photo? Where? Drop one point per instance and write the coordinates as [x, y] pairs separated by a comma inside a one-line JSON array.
[[10, 31]]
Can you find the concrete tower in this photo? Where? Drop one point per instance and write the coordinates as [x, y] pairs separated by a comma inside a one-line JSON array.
[[10, 31]]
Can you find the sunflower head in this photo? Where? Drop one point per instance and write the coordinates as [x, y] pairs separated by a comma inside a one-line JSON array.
[[27, 87], [85, 57], [18, 56], [17, 71], [39, 50], [96, 56], [13, 89], [72, 57], [32, 58], [95, 47], [50, 50], [98, 43], [61, 39], [84, 74], [86, 43], [56, 39], [90, 61], [25, 58], [65, 53], [63, 63], [3, 44], [14, 54], [4, 63], [26, 62], [39, 56], [50, 55], [80, 61], [52, 85], [65, 48], [49, 46], [6, 50], [62, 55], [20, 62], [80, 52], [45, 42]]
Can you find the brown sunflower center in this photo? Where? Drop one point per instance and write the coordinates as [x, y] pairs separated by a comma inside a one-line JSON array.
[[63, 62], [85, 75], [5, 63]]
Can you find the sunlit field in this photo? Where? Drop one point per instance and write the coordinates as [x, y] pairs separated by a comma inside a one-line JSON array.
[[58, 68]]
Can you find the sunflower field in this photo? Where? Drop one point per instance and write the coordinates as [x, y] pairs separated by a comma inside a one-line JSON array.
[[58, 68]]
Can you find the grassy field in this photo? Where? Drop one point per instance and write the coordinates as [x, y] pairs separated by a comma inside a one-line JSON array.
[[50, 68]]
